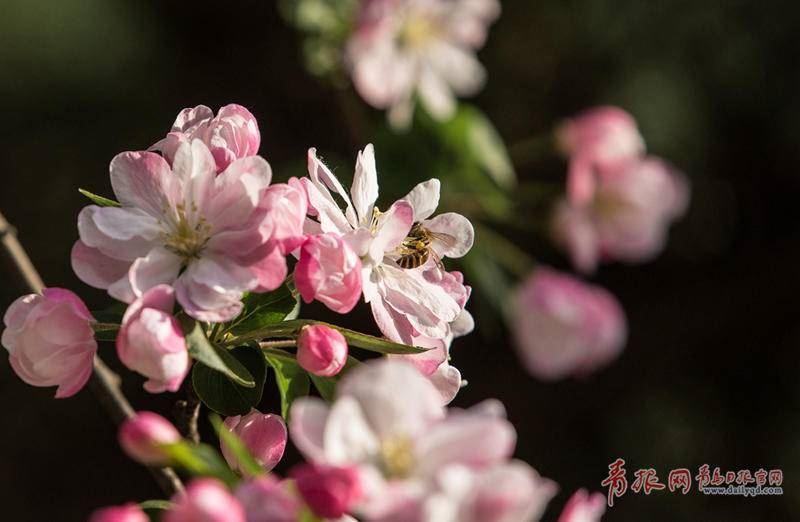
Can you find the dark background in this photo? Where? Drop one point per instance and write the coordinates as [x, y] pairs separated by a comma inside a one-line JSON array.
[[710, 371]]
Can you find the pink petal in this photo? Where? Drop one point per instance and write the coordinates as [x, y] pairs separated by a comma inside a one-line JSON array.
[[456, 227], [95, 268], [143, 180]]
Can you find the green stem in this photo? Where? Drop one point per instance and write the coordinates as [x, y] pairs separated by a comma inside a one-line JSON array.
[[288, 343], [505, 251]]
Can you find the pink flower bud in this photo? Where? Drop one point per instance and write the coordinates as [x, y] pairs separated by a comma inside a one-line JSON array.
[[583, 507], [263, 434], [127, 513], [151, 341], [321, 350], [141, 436], [266, 499], [329, 491], [50, 340], [330, 272], [205, 499], [565, 327], [286, 206]]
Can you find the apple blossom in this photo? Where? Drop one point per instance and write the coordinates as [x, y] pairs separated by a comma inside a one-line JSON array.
[[427, 47], [565, 327], [151, 342], [264, 435], [130, 512], [230, 135], [321, 350], [142, 435], [328, 271], [584, 507], [266, 499], [50, 340], [626, 216], [204, 234], [329, 491], [205, 499]]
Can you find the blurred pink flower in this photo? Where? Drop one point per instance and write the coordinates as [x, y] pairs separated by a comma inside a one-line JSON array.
[[329, 491], [565, 327], [205, 499], [266, 499], [185, 226], [230, 135], [595, 140], [626, 216], [141, 436], [151, 341], [263, 434], [405, 47], [329, 271], [50, 340], [321, 350], [127, 513], [584, 507]]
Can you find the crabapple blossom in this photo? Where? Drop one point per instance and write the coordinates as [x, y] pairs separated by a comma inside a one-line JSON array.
[[328, 271], [205, 499], [627, 215], [230, 135], [584, 507], [266, 499], [264, 435], [321, 350], [130, 512], [50, 340], [427, 47], [207, 235], [329, 491], [565, 327], [151, 342], [142, 435], [595, 140]]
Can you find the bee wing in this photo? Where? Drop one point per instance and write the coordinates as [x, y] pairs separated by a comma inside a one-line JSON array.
[[446, 240]]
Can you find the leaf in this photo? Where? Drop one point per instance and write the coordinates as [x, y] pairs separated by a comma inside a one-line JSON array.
[[247, 462], [292, 380], [155, 504], [200, 459], [223, 395], [215, 357], [326, 386], [263, 309], [99, 200]]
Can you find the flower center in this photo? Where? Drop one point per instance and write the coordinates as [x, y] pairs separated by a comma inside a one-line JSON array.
[[397, 456], [187, 237], [417, 31]]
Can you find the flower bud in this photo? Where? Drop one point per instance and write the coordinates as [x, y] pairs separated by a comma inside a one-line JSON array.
[[330, 272], [205, 499], [142, 436], [584, 507], [266, 499], [330, 491], [264, 435], [50, 340], [321, 350], [128, 513], [151, 341]]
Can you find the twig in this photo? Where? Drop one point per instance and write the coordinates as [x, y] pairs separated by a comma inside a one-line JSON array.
[[104, 382], [187, 413]]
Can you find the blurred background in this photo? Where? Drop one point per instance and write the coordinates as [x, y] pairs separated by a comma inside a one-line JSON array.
[[710, 371]]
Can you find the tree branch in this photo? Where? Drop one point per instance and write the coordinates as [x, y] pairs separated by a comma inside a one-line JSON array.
[[104, 382]]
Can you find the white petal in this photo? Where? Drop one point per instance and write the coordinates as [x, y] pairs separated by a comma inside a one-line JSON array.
[[160, 266], [424, 198], [143, 180], [435, 94], [460, 232], [364, 190], [349, 439], [324, 179]]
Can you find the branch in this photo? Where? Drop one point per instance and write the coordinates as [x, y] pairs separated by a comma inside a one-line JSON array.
[[104, 382]]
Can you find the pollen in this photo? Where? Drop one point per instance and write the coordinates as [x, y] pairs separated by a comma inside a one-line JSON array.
[[188, 235], [397, 454]]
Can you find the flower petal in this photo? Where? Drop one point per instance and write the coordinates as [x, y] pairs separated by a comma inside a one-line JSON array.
[[95, 268], [364, 190], [424, 198], [143, 180], [460, 232]]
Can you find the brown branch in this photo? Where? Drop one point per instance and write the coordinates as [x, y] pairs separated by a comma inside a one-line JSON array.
[[105, 384]]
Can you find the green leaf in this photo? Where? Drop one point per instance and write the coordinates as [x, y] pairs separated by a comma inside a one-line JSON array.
[[292, 380], [263, 309], [488, 148], [155, 504], [215, 357], [225, 396], [247, 462], [200, 460], [99, 200], [326, 386]]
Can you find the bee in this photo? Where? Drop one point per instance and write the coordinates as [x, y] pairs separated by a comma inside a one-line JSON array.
[[416, 248]]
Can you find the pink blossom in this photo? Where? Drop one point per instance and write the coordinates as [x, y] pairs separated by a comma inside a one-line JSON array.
[[584, 507], [230, 135], [263, 434], [321, 350], [50, 340], [142, 435], [427, 47], [205, 499], [330, 491], [565, 327], [185, 226], [266, 499], [596, 140], [151, 341], [127, 513], [626, 216], [329, 271]]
